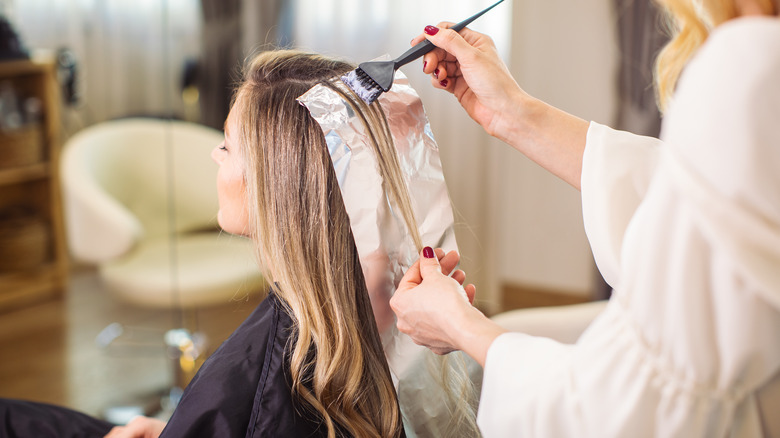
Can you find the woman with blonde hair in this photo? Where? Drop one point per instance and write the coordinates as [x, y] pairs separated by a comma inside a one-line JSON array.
[[685, 228], [309, 361], [277, 186]]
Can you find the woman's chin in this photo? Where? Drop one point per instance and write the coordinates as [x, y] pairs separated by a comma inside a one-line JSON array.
[[229, 227], [225, 225]]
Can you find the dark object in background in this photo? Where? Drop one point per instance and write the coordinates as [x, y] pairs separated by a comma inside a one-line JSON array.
[[10, 45], [67, 68], [190, 74], [223, 33], [220, 59]]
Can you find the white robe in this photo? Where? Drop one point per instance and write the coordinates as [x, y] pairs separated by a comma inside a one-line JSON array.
[[687, 232]]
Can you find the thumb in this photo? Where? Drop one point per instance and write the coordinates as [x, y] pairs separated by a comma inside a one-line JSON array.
[[429, 263]]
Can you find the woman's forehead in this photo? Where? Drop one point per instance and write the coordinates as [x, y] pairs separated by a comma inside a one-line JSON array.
[[231, 123]]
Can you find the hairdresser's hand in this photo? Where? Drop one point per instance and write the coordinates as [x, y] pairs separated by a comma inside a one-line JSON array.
[[467, 64], [469, 67], [436, 311], [138, 427]]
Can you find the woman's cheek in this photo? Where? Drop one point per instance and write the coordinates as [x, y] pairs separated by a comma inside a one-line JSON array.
[[232, 216]]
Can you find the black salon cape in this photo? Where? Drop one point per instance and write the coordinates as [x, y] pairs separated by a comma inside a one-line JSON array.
[[242, 390], [26, 419]]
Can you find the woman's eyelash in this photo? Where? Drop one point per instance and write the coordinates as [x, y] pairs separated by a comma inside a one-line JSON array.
[[223, 147]]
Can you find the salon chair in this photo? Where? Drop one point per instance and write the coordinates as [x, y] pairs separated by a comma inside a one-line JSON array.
[[140, 204]]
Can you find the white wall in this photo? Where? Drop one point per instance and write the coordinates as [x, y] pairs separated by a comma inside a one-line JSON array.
[[563, 52]]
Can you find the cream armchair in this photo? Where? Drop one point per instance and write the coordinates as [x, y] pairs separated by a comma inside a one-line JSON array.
[[140, 202], [562, 323]]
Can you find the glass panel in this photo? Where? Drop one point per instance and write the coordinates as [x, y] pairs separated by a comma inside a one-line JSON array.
[[125, 68]]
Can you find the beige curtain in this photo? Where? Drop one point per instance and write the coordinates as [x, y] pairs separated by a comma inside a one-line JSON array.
[[232, 29], [640, 38], [219, 61]]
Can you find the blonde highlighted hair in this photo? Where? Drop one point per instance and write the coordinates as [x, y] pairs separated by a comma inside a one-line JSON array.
[[304, 240], [449, 372], [302, 231], [689, 23]]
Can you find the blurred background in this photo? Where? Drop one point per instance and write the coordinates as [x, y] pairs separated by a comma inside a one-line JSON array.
[[92, 237]]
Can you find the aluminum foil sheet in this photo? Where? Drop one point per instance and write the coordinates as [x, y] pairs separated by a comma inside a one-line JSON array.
[[385, 248]]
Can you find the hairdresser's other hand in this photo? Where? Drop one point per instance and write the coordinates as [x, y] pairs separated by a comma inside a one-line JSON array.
[[467, 64], [425, 296], [138, 427], [433, 309]]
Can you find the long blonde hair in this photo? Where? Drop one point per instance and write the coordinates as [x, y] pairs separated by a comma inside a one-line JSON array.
[[450, 372], [298, 220], [689, 23]]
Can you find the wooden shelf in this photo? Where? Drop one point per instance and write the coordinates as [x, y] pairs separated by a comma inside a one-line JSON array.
[[36, 188], [30, 286], [22, 174], [21, 67]]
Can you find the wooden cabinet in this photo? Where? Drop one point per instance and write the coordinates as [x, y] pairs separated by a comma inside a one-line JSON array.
[[33, 253]]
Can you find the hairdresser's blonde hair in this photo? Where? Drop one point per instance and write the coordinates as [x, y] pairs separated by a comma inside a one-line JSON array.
[[298, 219], [689, 23]]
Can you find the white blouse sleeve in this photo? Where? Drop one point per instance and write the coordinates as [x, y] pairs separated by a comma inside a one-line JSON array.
[[617, 167], [513, 384]]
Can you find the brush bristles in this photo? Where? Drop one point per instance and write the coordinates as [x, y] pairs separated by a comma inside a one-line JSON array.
[[362, 84]]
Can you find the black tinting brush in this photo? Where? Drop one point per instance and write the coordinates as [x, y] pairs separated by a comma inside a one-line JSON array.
[[373, 78]]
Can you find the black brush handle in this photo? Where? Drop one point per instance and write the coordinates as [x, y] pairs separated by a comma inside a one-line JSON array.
[[426, 46]]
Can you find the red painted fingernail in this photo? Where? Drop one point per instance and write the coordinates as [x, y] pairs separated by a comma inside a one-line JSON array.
[[436, 72], [425, 64], [444, 83], [428, 252], [431, 30]]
